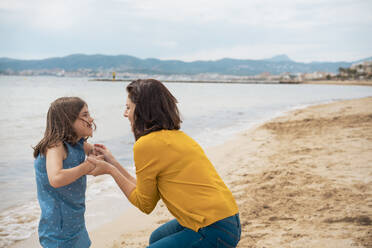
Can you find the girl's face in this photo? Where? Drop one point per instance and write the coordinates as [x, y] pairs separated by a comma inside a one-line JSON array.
[[129, 111], [83, 124]]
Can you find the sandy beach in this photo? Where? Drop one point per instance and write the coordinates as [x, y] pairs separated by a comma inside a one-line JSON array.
[[301, 180], [341, 82]]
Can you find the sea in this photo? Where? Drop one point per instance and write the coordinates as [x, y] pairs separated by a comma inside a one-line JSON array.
[[211, 114]]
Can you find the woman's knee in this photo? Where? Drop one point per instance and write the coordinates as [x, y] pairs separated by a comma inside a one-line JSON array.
[[165, 230], [156, 235], [153, 237]]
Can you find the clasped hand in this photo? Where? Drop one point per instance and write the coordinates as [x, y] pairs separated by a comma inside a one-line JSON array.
[[101, 159]]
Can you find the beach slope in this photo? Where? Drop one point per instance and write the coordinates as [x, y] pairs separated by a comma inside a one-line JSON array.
[[305, 179]]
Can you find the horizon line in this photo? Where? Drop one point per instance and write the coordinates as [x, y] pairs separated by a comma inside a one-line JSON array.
[[197, 60]]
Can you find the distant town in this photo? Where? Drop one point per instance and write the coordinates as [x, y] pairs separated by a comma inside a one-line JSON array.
[[357, 71]]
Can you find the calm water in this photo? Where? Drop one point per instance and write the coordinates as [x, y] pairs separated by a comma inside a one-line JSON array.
[[211, 114]]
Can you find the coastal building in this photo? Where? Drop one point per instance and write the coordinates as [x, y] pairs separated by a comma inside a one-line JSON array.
[[318, 75], [362, 70]]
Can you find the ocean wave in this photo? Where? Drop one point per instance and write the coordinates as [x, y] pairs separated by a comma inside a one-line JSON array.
[[21, 221], [18, 223]]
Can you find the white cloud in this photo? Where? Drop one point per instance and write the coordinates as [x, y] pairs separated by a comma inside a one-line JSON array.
[[167, 44], [191, 29], [46, 15]]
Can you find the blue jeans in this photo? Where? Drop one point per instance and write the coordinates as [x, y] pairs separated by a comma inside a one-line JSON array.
[[223, 233]]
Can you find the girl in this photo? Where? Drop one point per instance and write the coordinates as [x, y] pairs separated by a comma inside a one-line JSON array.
[[171, 166], [60, 169]]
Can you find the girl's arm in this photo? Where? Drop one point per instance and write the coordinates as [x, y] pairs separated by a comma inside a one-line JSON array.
[[101, 149], [59, 177]]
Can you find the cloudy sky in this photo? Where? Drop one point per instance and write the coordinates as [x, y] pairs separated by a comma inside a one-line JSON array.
[[305, 30]]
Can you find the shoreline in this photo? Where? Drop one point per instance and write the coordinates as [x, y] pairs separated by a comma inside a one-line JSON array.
[[281, 82], [275, 169], [196, 81], [341, 82], [33, 242]]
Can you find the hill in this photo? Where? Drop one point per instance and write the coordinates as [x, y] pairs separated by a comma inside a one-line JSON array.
[[275, 65]]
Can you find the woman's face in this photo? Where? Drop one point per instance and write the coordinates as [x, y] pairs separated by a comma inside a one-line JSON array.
[[129, 110]]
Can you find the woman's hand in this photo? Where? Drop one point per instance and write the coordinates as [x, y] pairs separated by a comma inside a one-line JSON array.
[[100, 149], [101, 167]]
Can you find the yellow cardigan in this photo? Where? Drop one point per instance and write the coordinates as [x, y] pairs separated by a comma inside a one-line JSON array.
[[172, 166]]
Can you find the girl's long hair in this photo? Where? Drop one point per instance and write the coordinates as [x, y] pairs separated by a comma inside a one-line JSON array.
[[61, 116], [156, 108]]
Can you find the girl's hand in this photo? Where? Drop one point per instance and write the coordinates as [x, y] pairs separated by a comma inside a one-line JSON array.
[[89, 167], [101, 167], [100, 149], [99, 157]]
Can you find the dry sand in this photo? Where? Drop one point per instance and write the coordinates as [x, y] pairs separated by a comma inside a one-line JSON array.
[[305, 179], [341, 82], [300, 180]]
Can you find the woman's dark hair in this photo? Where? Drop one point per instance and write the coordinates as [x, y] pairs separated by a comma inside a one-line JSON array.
[[156, 108], [61, 116]]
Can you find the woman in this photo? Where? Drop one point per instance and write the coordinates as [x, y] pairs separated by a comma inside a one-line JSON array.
[[173, 167]]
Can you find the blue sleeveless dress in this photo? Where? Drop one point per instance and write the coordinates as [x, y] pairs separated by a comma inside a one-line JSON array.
[[62, 221]]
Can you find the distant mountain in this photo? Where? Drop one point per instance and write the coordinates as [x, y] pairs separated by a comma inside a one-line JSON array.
[[363, 60], [280, 58], [275, 65]]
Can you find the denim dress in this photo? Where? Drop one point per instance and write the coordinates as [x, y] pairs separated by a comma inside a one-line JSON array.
[[62, 221]]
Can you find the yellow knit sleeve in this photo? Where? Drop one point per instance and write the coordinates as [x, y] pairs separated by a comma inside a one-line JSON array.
[[145, 196]]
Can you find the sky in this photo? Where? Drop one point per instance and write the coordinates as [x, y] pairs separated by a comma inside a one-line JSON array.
[[305, 30]]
